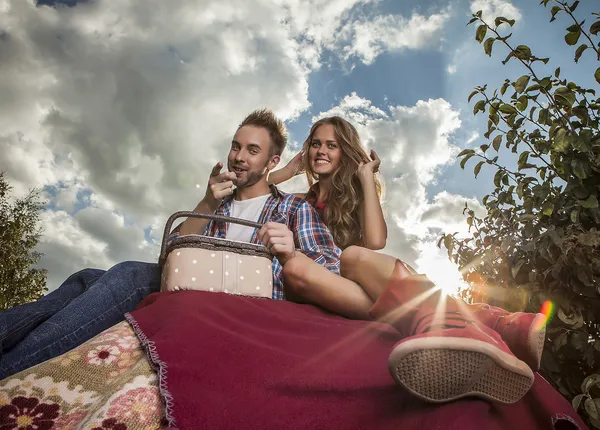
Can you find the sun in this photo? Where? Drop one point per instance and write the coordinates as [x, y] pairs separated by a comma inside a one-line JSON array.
[[444, 274]]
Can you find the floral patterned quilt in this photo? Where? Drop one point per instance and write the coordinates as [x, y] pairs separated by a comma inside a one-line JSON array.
[[106, 383]]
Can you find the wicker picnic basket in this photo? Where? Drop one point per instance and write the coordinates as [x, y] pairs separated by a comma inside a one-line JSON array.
[[198, 262]]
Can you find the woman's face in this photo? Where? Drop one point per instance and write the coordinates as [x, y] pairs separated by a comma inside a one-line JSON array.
[[324, 152]]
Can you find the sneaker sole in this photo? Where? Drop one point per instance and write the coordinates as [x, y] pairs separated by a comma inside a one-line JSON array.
[[442, 369], [535, 342]]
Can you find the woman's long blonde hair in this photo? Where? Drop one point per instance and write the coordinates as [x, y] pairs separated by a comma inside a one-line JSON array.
[[346, 195]]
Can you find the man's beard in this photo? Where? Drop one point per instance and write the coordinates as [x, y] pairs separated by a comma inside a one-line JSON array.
[[250, 178]]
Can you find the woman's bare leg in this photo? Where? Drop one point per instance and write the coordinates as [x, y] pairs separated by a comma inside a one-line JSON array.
[[369, 269], [307, 281]]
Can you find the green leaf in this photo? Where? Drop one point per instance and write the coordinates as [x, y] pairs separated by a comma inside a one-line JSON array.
[[497, 142], [597, 75], [478, 168], [472, 20], [498, 177], [591, 238], [574, 6], [522, 103], [561, 142], [543, 116], [465, 152], [487, 45], [480, 33], [572, 37], [471, 95], [521, 83], [557, 72], [508, 57], [589, 382], [577, 401], [592, 408], [523, 157], [520, 190], [578, 168], [498, 21], [595, 28], [495, 118], [554, 11], [515, 269], [590, 203], [559, 342], [507, 109], [580, 143], [579, 340], [548, 208], [546, 83], [574, 216], [465, 159], [484, 148], [479, 107], [580, 51], [523, 52], [565, 96]]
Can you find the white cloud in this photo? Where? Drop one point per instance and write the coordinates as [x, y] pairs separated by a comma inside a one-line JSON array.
[[370, 38], [445, 213], [330, 24], [126, 106], [119, 108], [494, 8], [474, 136], [451, 69]]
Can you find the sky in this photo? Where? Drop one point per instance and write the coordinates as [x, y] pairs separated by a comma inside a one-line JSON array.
[[117, 109]]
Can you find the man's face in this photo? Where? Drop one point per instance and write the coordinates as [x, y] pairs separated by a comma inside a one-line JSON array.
[[249, 155]]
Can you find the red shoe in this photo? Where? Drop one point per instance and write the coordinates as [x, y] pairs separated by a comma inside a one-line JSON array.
[[523, 332], [447, 356], [457, 359]]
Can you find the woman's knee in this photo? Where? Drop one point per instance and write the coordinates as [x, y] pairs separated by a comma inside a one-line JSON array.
[[351, 258]]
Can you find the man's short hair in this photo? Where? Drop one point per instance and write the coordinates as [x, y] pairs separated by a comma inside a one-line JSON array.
[[266, 119]]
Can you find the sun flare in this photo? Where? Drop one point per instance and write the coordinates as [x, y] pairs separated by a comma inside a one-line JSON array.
[[444, 274]]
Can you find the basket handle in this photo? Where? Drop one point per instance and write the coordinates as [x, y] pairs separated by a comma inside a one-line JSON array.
[[188, 214]]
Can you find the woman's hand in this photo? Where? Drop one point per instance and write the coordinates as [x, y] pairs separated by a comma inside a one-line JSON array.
[[296, 164], [366, 169]]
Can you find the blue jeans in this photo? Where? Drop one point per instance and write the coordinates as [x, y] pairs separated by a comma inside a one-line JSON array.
[[87, 303]]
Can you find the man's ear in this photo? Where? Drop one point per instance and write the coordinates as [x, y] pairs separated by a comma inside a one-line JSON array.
[[273, 162]]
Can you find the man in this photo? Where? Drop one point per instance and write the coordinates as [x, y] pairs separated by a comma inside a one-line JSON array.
[[92, 301]]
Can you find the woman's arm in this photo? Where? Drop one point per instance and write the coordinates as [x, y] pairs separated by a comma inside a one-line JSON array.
[[372, 222], [291, 169]]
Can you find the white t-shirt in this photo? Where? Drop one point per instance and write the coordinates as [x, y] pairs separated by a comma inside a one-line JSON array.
[[245, 209]]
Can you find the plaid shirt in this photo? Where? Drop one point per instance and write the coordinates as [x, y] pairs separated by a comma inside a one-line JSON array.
[[311, 237]]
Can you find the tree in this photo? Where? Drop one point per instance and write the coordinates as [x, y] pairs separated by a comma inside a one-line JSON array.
[[539, 241], [19, 234]]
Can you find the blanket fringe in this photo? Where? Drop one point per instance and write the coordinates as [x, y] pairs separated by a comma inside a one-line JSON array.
[[160, 367]]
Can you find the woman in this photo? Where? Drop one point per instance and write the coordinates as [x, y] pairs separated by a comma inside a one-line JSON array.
[[345, 190], [437, 330]]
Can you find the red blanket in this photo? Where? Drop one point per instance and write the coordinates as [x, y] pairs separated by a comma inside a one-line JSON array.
[[229, 361]]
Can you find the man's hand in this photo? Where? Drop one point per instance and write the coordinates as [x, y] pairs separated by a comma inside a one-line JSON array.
[[278, 239], [219, 186]]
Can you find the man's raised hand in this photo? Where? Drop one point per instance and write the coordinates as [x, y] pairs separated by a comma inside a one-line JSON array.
[[278, 239], [220, 185]]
